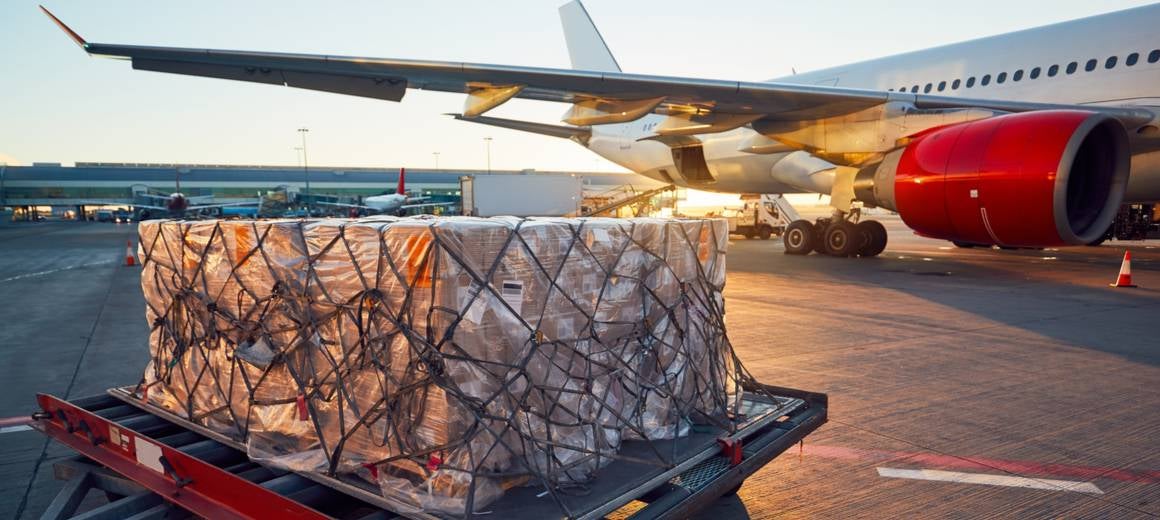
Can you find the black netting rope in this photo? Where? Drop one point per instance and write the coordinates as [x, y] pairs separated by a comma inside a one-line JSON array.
[[554, 392]]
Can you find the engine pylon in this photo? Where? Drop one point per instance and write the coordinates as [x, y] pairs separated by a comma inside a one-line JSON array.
[[1125, 277]]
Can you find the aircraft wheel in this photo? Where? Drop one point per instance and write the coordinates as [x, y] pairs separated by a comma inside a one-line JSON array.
[[873, 238], [841, 239], [799, 238]]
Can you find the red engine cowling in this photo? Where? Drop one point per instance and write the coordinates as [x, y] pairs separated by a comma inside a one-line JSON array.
[[1033, 179]]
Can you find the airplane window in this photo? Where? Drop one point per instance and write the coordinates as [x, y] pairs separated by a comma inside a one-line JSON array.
[[955, 85], [1091, 65], [942, 85], [1035, 73], [914, 89], [1018, 75], [926, 88], [1132, 59], [1001, 77], [1052, 71], [1111, 63], [986, 80], [970, 82], [1154, 56], [1071, 67]]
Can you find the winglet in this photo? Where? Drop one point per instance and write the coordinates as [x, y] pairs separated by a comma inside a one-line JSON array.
[[71, 33]]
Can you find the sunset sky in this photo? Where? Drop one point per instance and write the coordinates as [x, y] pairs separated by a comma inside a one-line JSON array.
[[59, 105]]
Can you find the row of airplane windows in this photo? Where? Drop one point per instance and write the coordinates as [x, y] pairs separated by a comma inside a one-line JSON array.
[[1034, 73]]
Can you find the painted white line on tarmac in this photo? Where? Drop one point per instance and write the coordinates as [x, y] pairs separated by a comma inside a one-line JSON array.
[[991, 480], [14, 429], [42, 273]]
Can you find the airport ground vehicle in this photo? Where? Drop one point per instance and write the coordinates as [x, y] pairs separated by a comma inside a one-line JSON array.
[[150, 457], [762, 216], [528, 194]]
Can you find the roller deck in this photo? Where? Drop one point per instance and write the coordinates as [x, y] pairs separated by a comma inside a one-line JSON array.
[[157, 462]]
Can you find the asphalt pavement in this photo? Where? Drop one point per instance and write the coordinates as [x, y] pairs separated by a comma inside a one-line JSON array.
[[962, 383]]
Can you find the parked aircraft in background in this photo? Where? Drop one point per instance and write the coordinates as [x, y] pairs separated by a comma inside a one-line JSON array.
[[177, 204], [392, 203], [1022, 140]]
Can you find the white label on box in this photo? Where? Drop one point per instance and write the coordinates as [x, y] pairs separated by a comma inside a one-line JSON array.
[[149, 455], [599, 235], [512, 292], [473, 314]]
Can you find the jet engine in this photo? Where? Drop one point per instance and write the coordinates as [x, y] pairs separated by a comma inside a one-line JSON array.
[[1033, 179], [176, 203]]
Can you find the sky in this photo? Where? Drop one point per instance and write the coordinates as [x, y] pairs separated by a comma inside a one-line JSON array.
[[59, 105]]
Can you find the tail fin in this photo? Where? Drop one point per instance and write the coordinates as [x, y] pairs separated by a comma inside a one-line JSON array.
[[402, 188], [585, 45]]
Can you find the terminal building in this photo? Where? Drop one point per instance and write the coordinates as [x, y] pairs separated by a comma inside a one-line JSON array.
[[51, 188]]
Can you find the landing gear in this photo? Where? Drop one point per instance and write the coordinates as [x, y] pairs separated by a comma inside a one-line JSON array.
[[873, 238], [799, 238], [841, 238], [835, 237]]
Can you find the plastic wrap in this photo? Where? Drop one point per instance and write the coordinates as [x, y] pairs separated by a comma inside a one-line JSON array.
[[444, 359]]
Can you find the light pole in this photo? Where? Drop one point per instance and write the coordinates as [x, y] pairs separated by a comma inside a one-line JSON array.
[[487, 140], [436, 154], [3, 168], [306, 172]]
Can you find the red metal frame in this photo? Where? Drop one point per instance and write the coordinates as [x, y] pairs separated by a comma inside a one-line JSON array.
[[187, 481]]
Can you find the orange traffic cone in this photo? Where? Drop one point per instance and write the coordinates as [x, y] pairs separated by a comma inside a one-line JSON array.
[[1125, 278], [130, 260]]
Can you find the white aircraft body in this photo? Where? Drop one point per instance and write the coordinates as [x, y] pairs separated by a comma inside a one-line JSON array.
[[391, 203], [1032, 139]]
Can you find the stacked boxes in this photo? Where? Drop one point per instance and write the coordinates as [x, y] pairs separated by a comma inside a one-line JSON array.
[[447, 359]]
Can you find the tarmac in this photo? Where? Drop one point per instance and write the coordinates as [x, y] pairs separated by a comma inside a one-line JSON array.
[[962, 382]]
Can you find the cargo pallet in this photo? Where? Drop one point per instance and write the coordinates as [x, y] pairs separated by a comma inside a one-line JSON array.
[[153, 464]]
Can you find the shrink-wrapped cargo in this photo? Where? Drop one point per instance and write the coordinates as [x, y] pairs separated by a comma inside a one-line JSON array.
[[444, 359]]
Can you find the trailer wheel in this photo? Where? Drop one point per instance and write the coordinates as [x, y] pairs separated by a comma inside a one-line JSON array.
[[765, 232]]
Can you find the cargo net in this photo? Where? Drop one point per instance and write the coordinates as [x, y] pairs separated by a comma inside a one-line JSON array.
[[444, 360]]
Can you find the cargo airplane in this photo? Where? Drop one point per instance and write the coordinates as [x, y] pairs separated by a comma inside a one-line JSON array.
[[1028, 139]]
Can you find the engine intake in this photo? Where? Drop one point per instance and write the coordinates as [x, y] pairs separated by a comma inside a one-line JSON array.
[[1034, 179]]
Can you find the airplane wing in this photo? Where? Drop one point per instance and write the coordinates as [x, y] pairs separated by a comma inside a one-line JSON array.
[[149, 206], [222, 205], [344, 205], [599, 97], [426, 205]]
